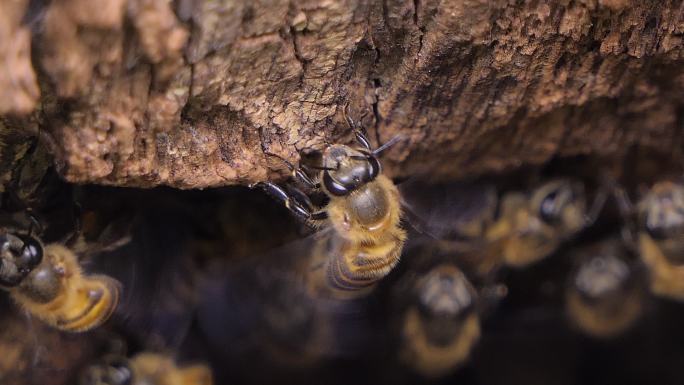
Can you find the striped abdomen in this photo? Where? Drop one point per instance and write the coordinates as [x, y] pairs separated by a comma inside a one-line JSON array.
[[369, 237], [59, 294]]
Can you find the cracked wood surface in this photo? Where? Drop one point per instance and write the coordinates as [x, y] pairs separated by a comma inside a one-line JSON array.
[[192, 93]]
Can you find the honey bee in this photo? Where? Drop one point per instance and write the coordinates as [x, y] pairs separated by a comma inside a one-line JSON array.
[[439, 320], [514, 228], [660, 237], [364, 212], [48, 282], [604, 296], [145, 369], [531, 226]]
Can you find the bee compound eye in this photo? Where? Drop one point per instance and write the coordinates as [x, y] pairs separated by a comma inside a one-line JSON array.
[[31, 253], [20, 255], [333, 187], [375, 167], [550, 207]]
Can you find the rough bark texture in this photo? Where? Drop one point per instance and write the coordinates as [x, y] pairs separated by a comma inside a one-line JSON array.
[[193, 93]]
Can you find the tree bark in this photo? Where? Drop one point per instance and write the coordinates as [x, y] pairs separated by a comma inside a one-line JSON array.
[[193, 93]]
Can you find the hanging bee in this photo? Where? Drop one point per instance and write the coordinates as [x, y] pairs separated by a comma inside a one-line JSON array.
[[48, 282], [658, 235], [364, 212], [145, 369], [604, 296]]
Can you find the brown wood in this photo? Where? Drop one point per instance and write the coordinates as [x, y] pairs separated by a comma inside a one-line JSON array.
[[138, 93]]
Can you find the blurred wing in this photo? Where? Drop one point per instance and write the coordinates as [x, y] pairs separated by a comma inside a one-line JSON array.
[[159, 279], [263, 304], [450, 211], [101, 234]]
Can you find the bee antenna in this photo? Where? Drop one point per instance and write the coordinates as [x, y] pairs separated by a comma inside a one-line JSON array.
[[357, 157], [34, 222], [350, 121], [289, 165], [388, 144], [322, 168]]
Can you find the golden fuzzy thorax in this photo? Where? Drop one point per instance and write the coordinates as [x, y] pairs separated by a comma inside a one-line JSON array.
[[600, 322], [159, 369], [435, 361], [83, 302], [367, 252]]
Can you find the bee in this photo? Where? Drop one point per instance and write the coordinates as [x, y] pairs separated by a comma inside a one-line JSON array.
[[660, 236], [145, 369], [532, 226], [440, 332], [437, 312], [604, 295], [48, 282], [364, 212], [514, 228]]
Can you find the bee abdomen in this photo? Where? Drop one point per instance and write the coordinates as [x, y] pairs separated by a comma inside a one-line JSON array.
[[360, 267], [72, 302], [93, 303]]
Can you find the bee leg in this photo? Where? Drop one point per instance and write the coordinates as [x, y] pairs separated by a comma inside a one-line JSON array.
[[363, 140], [361, 136], [596, 206], [626, 208], [298, 203], [77, 211], [303, 201], [298, 173], [625, 204], [302, 177], [34, 223]]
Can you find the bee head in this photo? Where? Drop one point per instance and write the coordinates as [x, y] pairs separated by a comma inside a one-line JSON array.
[[19, 255], [445, 292], [662, 211], [560, 203], [601, 276], [112, 372], [346, 169]]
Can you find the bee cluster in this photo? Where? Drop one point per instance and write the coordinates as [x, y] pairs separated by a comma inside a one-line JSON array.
[[393, 282]]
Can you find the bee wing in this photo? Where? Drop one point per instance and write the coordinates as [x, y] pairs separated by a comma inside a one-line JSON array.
[[263, 303], [452, 211], [159, 280], [115, 233]]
